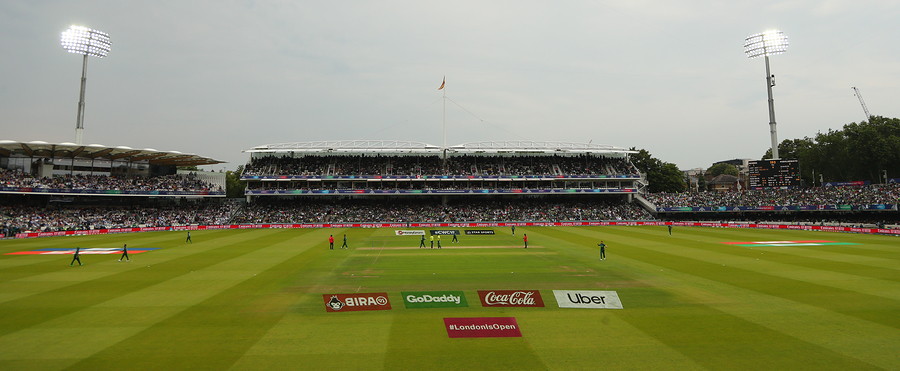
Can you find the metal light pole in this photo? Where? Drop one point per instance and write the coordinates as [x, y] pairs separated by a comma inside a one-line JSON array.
[[765, 44], [87, 42]]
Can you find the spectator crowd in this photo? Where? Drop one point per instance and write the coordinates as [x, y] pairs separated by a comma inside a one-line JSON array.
[[15, 219], [30, 217], [344, 211], [82, 183], [832, 195], [432, 165], [20, 218]]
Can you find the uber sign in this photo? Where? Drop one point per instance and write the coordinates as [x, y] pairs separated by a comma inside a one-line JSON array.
[[587, 299]]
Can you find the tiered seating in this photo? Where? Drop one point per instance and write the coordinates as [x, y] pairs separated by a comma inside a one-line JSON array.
[[465, 165], [12, 181]]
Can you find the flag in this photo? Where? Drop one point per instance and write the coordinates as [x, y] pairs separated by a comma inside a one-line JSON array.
[[442, 83]]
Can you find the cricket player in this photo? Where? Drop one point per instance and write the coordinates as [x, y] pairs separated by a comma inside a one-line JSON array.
[[344, 245], [77, 257], [188, 238], [602, 250], [124, 253], [525, 239], [422, 242], [330, 242]]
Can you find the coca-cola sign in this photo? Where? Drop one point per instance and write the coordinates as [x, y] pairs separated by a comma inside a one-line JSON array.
[[511, 298]]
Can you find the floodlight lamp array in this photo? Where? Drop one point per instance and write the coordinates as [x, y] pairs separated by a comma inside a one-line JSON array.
[[766, 43], [85, 41]]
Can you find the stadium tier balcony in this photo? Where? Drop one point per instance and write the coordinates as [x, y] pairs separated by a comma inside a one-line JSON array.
[[852, 197], [363, 166], [410, 211], [13, 181], [17, 218], [384, 168]]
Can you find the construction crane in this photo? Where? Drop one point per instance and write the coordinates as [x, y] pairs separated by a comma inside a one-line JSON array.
[[861, 102]]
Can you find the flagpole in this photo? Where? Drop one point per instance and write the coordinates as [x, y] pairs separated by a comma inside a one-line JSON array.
[[444, 116]]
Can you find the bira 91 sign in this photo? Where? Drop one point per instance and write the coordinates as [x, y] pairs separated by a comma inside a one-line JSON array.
[[510, 298], [482, 327], [356, 302]]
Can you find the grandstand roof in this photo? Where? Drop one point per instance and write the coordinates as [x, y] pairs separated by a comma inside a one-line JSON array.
[[99, 151], [392, 146], [400, 146], [537, 146]]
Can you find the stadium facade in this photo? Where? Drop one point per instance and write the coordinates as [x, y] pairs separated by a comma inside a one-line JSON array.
[[36, 170], [376, 168]]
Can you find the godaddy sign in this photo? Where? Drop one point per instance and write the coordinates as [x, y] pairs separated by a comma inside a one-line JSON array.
[[434, 299]]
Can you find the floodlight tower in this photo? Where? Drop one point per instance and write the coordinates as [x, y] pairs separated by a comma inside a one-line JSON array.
[[765, 44], [87, 42]]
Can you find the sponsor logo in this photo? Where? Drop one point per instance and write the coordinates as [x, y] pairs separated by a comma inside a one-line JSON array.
[[356, 302], [419, 232], [479, 231], [444, 231], [434, 299], [587, 299], [482, 327], [510, 298], [87, 251], [787, 243]]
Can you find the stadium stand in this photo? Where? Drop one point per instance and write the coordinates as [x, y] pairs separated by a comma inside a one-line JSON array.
[[52, 188], [399, 181], [873, 205], [17, 181], [432, 210], [20, 217], [414, 168], [842, 195], [65, 186], [97, 170]]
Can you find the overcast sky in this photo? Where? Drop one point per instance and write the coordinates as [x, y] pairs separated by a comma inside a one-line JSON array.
[[217, 77]]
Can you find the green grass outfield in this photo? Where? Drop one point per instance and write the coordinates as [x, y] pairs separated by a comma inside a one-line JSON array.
[[252, 300]]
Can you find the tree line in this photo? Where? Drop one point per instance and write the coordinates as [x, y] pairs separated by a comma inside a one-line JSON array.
[[865, 151], [859, 151]]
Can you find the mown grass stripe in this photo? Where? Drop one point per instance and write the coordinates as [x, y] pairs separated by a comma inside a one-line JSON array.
[[850, 336], [213, 305], [707, 348], [721, 341], [774, 255], [77, 294], [867, 307], [223, 327], [845, 257], [766, 311], [53, 263], [56, 273]]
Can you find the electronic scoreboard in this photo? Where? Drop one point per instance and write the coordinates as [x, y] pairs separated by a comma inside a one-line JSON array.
[[774, 174]]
